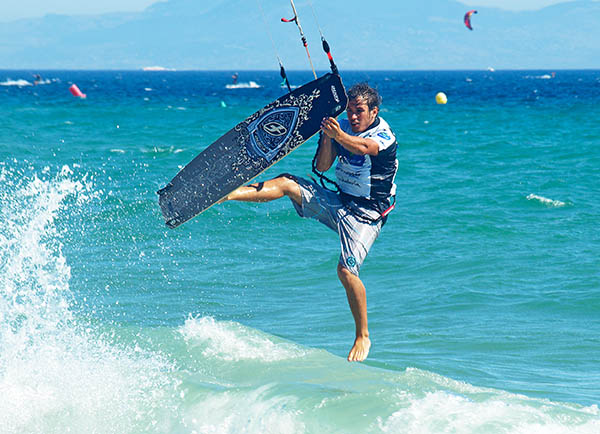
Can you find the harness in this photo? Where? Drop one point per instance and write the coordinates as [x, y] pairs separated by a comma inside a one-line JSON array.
[[348, 199]]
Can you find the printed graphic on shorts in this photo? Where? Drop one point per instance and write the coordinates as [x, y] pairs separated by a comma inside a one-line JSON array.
[[351, 261]]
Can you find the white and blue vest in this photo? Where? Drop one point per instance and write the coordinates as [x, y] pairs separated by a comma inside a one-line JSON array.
[[368, 178]]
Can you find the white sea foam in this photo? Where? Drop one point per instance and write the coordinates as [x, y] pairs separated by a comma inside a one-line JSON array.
[[545, 200], [457, 407], [247, 85], [57, 375], [231, 341], [161, 150], [443, 412], [20, 83], [539, 77], [256, 411]]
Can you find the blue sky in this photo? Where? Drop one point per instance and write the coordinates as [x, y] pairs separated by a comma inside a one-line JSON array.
[[35, 8]]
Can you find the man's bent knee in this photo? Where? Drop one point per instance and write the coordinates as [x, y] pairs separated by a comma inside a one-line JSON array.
[[290, 187], [344, 274], [347, 271]]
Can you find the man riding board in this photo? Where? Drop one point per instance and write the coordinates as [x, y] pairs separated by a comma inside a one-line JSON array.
[[365, 149]]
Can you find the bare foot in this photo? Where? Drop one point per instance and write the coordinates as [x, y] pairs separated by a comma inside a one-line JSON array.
[[360, 350]]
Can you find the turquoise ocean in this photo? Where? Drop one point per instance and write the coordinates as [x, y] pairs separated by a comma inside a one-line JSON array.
[[483, 288]]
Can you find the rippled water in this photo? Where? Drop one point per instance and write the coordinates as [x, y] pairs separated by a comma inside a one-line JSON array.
[[483, 288]]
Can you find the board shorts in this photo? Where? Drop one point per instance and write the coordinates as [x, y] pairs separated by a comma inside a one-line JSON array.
[[325, 206]]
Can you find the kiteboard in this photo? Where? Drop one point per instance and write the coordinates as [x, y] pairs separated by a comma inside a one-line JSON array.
[[250, 148]]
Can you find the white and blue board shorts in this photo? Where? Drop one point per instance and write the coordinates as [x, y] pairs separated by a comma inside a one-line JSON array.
[[325, 206]]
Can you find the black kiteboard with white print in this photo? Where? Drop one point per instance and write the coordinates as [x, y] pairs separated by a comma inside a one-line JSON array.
[[250, 148]]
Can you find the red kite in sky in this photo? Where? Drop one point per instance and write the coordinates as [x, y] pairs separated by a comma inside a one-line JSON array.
[[468, 18]]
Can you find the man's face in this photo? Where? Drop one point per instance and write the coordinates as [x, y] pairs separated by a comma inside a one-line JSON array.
[[359, 115]]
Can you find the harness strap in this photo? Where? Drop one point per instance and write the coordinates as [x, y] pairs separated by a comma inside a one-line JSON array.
[[322, 177], [390, 208]]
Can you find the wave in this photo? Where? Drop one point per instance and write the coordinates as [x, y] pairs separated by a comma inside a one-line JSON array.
[[57, 373], [233, 342], [161, 150], [259, 383], [247, 85], [20, 83], [545, 200], [541, 77]]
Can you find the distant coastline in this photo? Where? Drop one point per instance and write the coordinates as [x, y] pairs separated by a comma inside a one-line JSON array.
[[156, 68]]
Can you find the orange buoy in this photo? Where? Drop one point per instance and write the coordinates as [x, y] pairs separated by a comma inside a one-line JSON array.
[[76, 92]]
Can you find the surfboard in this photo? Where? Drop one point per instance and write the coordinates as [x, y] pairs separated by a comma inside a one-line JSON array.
[[251, 147]]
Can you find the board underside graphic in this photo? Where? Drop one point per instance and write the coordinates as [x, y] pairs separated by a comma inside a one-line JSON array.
[[250, 148]]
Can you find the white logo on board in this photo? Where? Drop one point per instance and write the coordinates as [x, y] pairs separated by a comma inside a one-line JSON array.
[[335, 95], [275, 129]]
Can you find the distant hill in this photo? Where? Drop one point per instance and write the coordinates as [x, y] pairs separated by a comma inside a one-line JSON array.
[[232, 35]]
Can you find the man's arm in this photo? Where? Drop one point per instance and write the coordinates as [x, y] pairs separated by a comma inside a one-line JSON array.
[[326, 155], [356, 145]]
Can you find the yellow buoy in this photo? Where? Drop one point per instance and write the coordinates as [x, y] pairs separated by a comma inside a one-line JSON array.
[[441, 98]]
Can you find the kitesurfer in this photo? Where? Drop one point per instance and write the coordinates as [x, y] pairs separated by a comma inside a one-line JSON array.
[[365, 149]]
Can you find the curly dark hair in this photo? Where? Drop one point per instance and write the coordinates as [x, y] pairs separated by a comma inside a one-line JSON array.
[[367, 93]]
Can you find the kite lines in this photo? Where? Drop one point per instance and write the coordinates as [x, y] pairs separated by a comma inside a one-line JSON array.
[[296, 20]]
